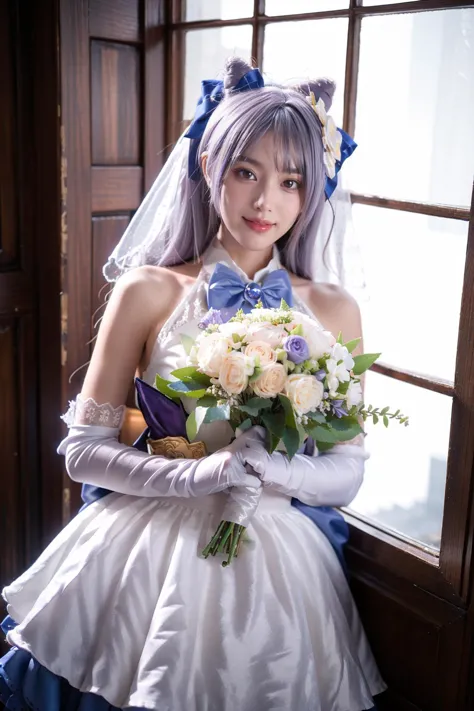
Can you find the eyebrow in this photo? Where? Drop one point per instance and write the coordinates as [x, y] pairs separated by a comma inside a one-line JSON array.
[[245, 159]]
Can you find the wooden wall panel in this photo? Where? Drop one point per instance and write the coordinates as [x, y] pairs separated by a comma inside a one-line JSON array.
[[106, 232], [9, 245], [416, 637], [9, 445], [116, 189], [115, 19], [115, 97]]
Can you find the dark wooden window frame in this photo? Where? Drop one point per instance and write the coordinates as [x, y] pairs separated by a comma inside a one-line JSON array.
[[446, 574]]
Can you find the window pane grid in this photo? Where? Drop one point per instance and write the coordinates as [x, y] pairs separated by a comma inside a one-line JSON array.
[[389, 372]]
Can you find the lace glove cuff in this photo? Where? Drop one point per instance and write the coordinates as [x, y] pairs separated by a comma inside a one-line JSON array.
[[88, 412]]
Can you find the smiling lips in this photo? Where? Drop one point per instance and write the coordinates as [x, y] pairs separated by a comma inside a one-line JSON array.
[[259, 225]]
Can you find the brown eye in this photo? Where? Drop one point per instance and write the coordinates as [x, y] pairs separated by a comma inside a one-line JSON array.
[[245, 174], [292, 184]]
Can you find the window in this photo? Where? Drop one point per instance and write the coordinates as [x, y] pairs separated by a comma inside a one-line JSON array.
[[406, 93]]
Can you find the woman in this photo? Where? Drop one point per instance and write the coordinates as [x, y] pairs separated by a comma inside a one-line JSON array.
[[121, 605]]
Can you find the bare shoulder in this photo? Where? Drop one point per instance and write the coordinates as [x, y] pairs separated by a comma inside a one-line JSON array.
[[335, 308], [152, 287]]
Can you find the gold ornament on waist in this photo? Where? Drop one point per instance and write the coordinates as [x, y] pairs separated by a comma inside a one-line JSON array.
[[176, 448]]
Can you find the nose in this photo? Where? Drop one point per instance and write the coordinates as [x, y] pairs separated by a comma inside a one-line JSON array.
[[263, 198]]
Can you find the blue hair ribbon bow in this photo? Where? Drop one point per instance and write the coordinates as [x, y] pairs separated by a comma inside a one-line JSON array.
[[212, 93], [348, 147]]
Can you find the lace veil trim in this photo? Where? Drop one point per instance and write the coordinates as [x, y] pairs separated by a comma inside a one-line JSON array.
[[89, 412]]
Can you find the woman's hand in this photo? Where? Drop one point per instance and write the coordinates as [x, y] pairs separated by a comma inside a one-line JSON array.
[[329, 479]]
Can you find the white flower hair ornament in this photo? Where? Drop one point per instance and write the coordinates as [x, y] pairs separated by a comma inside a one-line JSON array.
[[332, 136]]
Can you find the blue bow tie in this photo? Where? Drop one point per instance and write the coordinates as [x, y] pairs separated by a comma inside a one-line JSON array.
[[228, 291]]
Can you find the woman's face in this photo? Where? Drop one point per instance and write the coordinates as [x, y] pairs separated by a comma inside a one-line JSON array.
[[259, 203]]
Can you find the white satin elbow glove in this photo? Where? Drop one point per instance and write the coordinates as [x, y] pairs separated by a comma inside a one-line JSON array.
[[329, 479], [94, 456]]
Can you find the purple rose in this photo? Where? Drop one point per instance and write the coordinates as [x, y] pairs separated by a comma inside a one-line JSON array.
[[296, 348]]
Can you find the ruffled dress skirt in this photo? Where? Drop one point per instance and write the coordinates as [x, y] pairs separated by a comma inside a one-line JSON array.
[[122, 612]]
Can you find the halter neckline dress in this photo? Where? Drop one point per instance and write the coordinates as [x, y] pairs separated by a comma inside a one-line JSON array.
[[122, 606]]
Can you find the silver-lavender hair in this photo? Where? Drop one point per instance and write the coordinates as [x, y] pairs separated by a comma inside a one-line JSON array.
[[241, 120]]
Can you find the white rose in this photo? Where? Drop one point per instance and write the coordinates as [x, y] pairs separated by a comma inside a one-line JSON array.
[[273, 335], [262, 350], [237, 327], [271, 381], [211, 350], [233, 375], [305, 392], [354, 394], [319, 341]]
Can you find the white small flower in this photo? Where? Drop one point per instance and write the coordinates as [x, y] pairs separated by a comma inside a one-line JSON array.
[[354, 394], [340, 353]]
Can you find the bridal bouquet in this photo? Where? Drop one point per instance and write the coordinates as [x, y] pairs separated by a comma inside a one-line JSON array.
[[275, 368]]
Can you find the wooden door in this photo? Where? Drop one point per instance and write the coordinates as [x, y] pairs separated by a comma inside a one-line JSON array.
[[113, 87], [30, 394]]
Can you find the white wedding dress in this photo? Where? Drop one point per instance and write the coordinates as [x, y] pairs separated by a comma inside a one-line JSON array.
[[121, 604]]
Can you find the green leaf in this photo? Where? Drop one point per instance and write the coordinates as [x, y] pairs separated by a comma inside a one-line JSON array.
[[255, 404], [363, 362], [342, 388], [347, 428], [284, 306], [324, 446], [291, 440], [194, 422], [375, 418], [301, 434], [236, 338], [316, 416], [274, 422], [187, 342], [191, 373], [289, 412], [189, 388], [385, 420], [384, 411], [245, 425], [352, 345], [321, 433], [274, 442], [220, 412], [207, 401], [163, 386], [339, 338]]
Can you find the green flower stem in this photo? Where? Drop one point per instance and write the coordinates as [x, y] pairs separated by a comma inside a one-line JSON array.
[[227, 539], [235, 542], [216, 537]]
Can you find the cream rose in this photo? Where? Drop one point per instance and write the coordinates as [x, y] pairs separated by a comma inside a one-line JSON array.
[[262, 350], [233, 373], [305, 392], [271, 381], [210, 352], [273, 335]]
